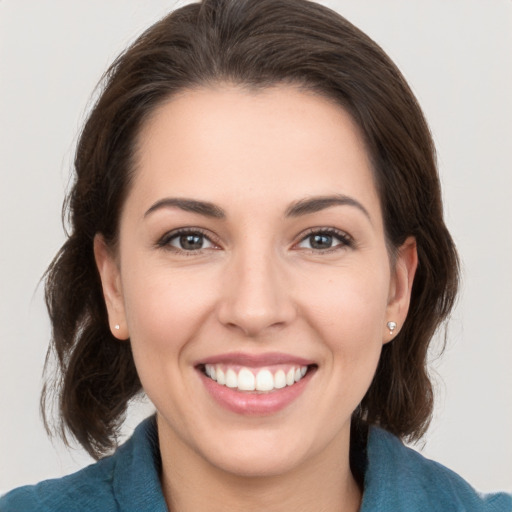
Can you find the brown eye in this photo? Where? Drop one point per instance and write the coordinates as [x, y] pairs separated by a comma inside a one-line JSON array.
[[190, 242], [186, 241], [321, 241], [325, 240]]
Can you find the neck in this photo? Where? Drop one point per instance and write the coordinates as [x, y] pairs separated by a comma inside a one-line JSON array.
[[324, 483]]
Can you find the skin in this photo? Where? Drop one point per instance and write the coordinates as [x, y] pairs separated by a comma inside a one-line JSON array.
[[256, 285]]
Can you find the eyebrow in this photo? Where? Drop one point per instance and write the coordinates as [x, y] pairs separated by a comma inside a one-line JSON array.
[[189, 205], [316, 204], [302, 207]]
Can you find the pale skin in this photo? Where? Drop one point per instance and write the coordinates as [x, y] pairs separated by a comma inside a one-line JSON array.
[[264, 276]]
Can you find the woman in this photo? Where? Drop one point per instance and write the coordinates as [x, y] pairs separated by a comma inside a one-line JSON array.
[[258, 243]]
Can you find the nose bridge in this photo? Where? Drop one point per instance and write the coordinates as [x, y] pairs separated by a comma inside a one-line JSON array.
[[256, 295]]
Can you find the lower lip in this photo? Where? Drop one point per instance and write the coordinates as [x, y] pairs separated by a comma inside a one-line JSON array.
[[255, 403]]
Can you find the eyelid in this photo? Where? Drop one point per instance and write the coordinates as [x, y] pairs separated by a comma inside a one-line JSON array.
[[345, 239], [163, 241]]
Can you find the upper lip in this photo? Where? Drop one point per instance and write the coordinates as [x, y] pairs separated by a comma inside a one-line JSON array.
[[255, 360]]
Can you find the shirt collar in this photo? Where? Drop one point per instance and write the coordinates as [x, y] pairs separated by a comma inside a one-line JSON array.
[[396, 478], [137, 471]]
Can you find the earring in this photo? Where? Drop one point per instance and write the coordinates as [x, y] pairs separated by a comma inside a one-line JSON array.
[[116, 327], [391, 327]]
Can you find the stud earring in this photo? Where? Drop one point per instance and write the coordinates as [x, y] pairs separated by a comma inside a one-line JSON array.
[[116, 327], [391, 327]]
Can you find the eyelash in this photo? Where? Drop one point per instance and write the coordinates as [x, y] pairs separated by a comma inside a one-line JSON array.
[[345, 239], [165, 242]]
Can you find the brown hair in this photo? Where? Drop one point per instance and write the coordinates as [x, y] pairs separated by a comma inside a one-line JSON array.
[[254, 43]]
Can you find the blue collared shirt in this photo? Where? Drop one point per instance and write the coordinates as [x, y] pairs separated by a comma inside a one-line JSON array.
[[396, 479]]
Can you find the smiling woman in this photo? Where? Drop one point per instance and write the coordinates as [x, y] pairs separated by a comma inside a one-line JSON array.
[[258, 245], [251, 285]]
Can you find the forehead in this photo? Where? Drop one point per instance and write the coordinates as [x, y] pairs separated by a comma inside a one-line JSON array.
[[232, 144]]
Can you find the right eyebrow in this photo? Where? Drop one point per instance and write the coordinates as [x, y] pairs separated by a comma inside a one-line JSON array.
[[318, 203], [189, 205]]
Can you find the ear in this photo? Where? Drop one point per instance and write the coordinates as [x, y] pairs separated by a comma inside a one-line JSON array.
[[112, 290], [400, 288]]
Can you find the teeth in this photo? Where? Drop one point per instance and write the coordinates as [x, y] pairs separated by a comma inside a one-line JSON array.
[[231, 379], [264, 380], [246, 380], [280, 379], [255, 380]]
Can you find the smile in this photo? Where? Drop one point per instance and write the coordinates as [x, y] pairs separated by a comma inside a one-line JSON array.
[[255, 385], [255, 379]]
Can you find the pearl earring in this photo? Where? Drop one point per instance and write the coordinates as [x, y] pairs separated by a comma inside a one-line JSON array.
[[116, 327], [391, 327]]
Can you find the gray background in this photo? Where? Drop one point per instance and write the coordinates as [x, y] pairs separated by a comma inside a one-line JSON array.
[[456, 55]]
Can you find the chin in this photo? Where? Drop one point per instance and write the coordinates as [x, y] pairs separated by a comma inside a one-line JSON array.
[[262, 452], [258, 463]]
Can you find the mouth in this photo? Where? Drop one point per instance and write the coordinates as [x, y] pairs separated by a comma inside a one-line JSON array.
[[255, 385], [262, 380]]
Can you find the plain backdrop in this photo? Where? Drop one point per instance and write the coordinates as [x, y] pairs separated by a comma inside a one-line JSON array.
[[457, 56]]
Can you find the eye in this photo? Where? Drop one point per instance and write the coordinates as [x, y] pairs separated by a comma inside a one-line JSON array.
[[186, 241], [325, 240]]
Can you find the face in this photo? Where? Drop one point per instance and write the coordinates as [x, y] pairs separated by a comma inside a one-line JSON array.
[[252, 276]]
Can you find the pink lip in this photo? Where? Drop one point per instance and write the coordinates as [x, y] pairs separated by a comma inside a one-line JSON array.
[[255, 360], [255, 403]]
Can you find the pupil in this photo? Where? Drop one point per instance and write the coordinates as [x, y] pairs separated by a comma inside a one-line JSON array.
[[191, 242], [321, 241]]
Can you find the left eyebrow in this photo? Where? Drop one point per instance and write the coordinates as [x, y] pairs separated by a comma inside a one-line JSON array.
[[318, 203], [189, 205]]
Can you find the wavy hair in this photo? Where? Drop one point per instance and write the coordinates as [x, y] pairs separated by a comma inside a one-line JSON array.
[[256, 44]]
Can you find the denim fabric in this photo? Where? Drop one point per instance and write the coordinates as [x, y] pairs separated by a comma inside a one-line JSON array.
[[397, 479], [126, 481]]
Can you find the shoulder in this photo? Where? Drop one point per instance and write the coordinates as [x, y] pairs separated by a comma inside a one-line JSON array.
[[87, 489], [399, 478], [127, 480]]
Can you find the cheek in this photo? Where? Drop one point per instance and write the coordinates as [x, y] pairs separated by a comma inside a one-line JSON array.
[[350, 302], [164, 308], [165, 313], [348, 313]]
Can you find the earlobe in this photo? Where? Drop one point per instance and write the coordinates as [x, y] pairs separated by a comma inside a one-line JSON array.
[[401, 287], [108, 269]]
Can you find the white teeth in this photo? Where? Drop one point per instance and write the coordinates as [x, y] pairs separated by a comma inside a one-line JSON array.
[[264, 381], [246, 380], [210, 371], [221, 377], [255, 380], [231, 379], [280, 379]]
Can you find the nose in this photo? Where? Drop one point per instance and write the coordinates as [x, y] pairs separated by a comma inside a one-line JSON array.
[[256, 294]]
